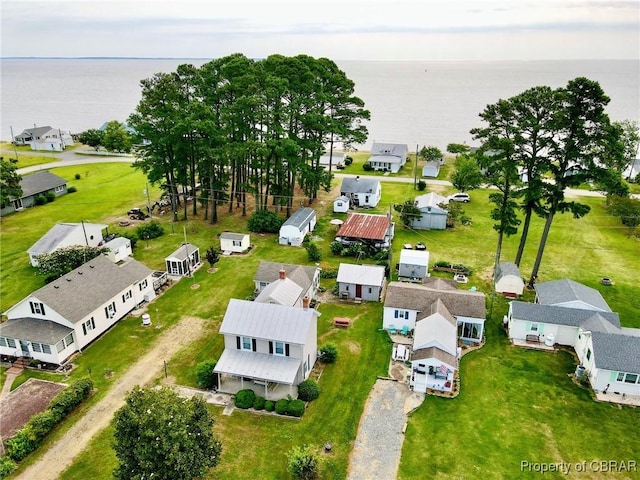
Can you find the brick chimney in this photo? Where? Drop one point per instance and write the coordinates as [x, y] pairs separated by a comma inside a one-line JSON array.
[[283, 274], [305, 302]]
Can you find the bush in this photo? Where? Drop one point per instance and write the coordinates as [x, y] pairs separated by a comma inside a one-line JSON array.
[[329, 273], [336, 247], [245, 398], [50, 196], [269, 405], [72, 396], [348, 160], [132, 237], [150, 230], [40, 200], [367, 167], [72, 189], [302, 463], [313, 252], [7, 466], [204, 373], [422, 185], [308, 390], [259, 403], [328, 353], [42, 423], [264, 221], [282, 406], [77, 176], [295, 408]]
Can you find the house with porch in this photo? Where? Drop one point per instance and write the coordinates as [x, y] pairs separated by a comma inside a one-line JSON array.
[[387, 156], [363, 282], [32, 186], [361, 191], [234, 242], [184, 261], [63, 235], [268, 348], [307, 278], [294, 229], [572, 314], [44, 138], [433, 213], [66, 315], [374, 231], [508, 280]]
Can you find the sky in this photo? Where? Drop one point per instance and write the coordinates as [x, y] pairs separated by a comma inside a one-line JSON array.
[[337, 29]]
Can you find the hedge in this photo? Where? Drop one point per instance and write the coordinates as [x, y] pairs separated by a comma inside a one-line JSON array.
[[6, 466], [259, 403], [295, 408], [269, 405], [282, 406], [245, 398]]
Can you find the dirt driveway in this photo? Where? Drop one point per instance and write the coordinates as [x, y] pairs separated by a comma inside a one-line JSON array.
[[60, 456]]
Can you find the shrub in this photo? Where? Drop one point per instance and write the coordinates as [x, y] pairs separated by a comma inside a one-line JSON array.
[[295, 408], [302, 463], [245, 398], [282, 406], [22, 444], [50, 196], [308, 390], [329, 273], [264, 221], [204, 373], [72, 189], [348, 160], [259, 403], [367, 167], [132, 237], [42, 423], [313, 252], [40, 200], [269, 405], [328, 353], [77, 176], [6, 466], [336, 247], [69, 398], [150, 230], [422, 185]]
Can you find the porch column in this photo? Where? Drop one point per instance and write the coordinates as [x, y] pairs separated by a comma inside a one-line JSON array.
[[266, 391]]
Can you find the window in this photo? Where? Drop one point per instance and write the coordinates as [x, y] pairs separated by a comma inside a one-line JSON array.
[[68, 340], [620, 377], [59, 188], [88, 326], [11, 342], [36, 347], [246, 343], [279, 348], [370, 290], [126, 296], [469, 330], [399, 313], [37, 308], [46, 348], [237, 243], [534, 327], [110, 310], [3, 342], [143, 284], [588, 354], [628, 377]]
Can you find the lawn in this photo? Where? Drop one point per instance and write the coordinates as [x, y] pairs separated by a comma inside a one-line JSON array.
[[496, 380]]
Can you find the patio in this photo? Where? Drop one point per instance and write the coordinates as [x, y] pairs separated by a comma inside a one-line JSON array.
[[232, 384]]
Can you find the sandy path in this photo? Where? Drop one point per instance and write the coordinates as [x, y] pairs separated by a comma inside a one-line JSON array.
[[60, 456]]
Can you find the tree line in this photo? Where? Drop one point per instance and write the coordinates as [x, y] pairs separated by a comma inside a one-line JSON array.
[[236, 129]]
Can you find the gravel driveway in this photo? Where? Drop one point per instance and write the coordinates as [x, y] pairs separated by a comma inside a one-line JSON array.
[[376, 452]]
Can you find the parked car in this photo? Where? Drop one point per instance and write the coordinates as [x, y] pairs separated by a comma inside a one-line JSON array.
[[459, 197]]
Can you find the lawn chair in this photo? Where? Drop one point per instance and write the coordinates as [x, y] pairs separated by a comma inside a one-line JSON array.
[[392, 330], [405, 330]]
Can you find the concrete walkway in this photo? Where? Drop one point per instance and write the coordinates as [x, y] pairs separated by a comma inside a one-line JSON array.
[[11, 375]]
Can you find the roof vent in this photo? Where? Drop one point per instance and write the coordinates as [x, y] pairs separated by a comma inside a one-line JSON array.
[[79, 273], [91, 266], [68, 279], [56, 286]]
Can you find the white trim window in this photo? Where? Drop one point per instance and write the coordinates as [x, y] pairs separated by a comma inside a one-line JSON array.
[[110, 310], [59, 188], [628, 377], [37, 308], [127, 295], [279, 349], [534, 327], [88, 326], [245, 344], [143, 284]]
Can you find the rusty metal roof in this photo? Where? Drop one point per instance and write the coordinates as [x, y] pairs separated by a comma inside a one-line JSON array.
[[363, 225]]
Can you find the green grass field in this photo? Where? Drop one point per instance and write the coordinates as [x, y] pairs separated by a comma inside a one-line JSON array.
[[514, 404]]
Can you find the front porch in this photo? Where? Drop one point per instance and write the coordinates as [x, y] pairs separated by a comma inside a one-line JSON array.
[[232, 384]]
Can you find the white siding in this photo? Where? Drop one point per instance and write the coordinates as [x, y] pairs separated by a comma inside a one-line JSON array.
[[389, 318]]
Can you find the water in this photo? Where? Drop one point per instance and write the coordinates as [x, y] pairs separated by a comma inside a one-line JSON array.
[[418, 103]]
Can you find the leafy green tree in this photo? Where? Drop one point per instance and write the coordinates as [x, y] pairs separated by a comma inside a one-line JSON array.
[[92, 137], [116, 138], [431, 154], [328, 353], [313, 251], [302, 463], [9, 181], [457, 148], [468, 175], [160, 435], [205, 374], [264, 221], [55, 264], [408, 211], [630, 137]]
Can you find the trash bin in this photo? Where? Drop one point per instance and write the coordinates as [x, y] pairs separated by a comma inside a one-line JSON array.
[[146, 319]]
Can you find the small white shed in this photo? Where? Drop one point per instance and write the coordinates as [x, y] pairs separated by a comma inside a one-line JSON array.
[[361, 281], [431, 169], [341, 204], [119, 249], [508, 280], [414, 264], [234, 242], [294, 229]]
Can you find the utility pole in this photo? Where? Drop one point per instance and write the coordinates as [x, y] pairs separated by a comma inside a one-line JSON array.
[[415, 170], [146, 190]]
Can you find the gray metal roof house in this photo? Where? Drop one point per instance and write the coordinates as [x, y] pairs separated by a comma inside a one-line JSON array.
[[294, 229]]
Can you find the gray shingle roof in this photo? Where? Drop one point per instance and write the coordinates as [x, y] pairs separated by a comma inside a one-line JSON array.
[[79, 292], [617, 352], [233, 236], [359, 185], [183, 252], [410, 296], [40, 182], [566, 290], [433, 352], [52, 238], [35, 132], [267, 321], [34, 330], [573, 317], [270, 271], [300, 218], [507, 268]]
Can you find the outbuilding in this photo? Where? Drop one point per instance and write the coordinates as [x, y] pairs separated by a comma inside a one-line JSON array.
[[414, 264], [294, 229], [341, 204], [363, 282], [431, 169], [433, 215], [119, 249], [508, 280], [234, 242], [183, 261]]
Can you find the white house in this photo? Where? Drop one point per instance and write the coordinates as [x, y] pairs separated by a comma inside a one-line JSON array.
[[507, 280], [414, 264], [336, 158], [234, 242], [407, 303], [268, 348], [307, 278], [431, 169], [119, 249], [44, 138], [388, 156], [184, 261], [294, 229], [435, 352], [365, 282], [67, 235], [432, 213], [571, 314], [69, 313], [361, 191], [341, 204]]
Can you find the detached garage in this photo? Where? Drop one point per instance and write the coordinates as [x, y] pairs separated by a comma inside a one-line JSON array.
[[294, 229]]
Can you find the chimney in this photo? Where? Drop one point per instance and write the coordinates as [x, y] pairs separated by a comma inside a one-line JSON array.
[[283, 274], [305, 302]]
